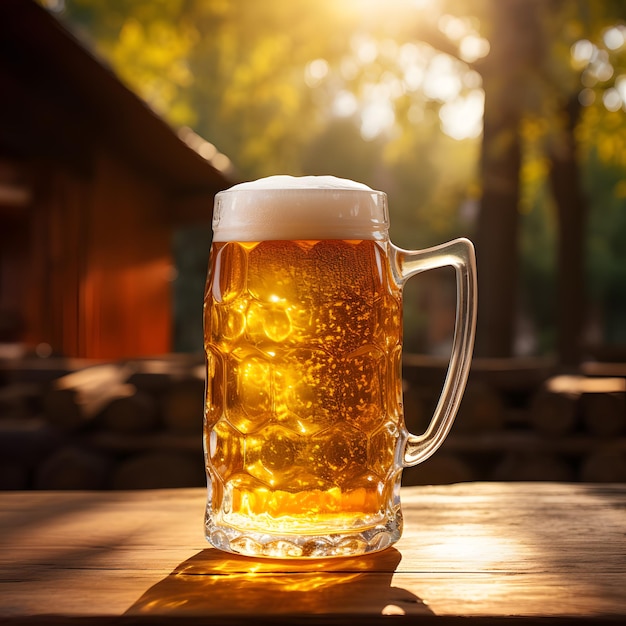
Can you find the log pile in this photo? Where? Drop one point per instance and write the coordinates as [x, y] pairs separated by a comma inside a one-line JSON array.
[[518, 421], [103, 426], [137, 425]]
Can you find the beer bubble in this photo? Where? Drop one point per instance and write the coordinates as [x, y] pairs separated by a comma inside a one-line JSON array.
[[271, 276], [364, 404], [337, 453], [388, 323], [308, 390]]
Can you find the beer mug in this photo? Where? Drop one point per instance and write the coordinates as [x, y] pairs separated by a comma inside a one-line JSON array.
[[304, 433]]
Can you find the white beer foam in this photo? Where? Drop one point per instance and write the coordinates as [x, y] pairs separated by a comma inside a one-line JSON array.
[[305, 207]]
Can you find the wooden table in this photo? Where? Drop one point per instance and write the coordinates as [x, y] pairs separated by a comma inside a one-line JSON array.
[[473, 552]]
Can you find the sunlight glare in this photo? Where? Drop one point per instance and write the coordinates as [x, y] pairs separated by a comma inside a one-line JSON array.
[[620, 85], [376, 117], [463, 118], [486, 552], [473, 48], [315, 72], [368, 7], [349, 68], [452, 27], [472, 80], [612, 100], [602, 67], [413, 54], [345, 104], [413, 78], [413, 60], [582, 52], [614, 37], [386, 70], [441, 81], [365, 49]]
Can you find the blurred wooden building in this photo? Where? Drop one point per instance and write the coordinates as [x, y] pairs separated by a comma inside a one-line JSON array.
[[92, 185]]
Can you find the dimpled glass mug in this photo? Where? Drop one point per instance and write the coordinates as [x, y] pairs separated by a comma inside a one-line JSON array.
[[304, 433]]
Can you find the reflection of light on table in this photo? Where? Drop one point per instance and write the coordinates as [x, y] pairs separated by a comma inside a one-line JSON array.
[[541, 549], [474, 549], [470, 548]]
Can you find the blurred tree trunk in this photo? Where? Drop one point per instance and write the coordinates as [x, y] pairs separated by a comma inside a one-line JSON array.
[[572, 220], [515, 48], [497, 235], [519, 50]]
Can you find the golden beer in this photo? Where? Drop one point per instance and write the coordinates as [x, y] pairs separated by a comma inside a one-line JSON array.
[[304, 435], [303, 402]]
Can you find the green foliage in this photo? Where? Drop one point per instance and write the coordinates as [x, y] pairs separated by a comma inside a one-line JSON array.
[[606, 186], [375, 91], [261, 81], [147, 43], [584, 59]]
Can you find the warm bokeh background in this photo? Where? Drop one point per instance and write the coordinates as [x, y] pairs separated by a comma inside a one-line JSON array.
[[498, 120], [501, 120]]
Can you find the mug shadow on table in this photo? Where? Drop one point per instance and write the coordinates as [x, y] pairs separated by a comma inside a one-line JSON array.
[[216, 583]]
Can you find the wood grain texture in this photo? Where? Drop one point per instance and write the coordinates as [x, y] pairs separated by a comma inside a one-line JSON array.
[[487, 550]]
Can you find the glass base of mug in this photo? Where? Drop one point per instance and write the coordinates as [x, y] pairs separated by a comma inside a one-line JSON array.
[[321, 546]]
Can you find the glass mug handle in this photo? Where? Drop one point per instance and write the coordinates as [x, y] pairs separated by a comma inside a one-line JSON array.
[[459, 254]]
